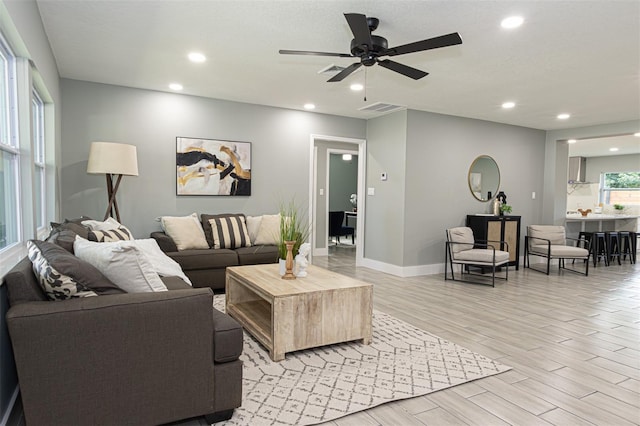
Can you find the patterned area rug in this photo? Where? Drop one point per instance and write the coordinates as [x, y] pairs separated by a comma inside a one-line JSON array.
[[318, 385]]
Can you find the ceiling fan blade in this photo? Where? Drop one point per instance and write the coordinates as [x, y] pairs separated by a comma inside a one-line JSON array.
[[418, 46], [360, 29], [410, 72], [306, 52], [345, 72]]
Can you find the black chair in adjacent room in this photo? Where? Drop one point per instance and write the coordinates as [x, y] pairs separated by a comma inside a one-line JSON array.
[[337, 228]]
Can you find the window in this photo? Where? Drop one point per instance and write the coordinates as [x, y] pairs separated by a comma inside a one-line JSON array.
[[620, 188], [9, 153], [37, 108]]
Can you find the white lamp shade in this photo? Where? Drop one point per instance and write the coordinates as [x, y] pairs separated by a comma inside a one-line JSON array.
[[113, 158]]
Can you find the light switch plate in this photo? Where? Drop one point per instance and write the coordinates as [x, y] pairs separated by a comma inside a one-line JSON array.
[[321, 191], [371, 191]]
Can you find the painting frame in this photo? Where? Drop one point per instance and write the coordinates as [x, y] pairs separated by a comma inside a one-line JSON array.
[[212, 167]]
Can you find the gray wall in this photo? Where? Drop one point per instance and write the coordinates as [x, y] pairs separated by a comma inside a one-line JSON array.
[[385, 220], [343, 181], [21, 24], [152, 120], [611, 163], [440, 150]]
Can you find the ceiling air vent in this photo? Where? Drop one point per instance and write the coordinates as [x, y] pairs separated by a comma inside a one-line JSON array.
[[381, 107], [331, 70]]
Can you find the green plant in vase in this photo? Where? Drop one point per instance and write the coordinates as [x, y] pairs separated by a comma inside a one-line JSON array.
[[505, 209], [618, 208], [293, 227]]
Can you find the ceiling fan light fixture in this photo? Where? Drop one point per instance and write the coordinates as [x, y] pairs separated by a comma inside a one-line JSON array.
[[356, 87], [637, 134], [175, 86], [614, 149], [309, 106], [512, 22], [563, 116], [508, 105]]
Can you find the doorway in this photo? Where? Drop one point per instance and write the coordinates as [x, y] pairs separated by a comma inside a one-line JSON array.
[[320, 149]]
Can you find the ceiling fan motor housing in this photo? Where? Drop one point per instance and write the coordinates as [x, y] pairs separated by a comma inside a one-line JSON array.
[[368, 54]]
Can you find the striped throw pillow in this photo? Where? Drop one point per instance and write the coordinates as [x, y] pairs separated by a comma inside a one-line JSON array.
[[120, 234], [229, 232]]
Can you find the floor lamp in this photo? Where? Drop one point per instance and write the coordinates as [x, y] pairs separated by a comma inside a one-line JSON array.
[[114, 160]]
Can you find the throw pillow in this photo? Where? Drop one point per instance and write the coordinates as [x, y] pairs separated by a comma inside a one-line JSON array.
[[206, 226], [229, 232], [64, 234], [461, 235], [122, 262], [185, 231], [253, 225], [65, 276], [269, 232], [119, 234], [107, 225], [162, 264]]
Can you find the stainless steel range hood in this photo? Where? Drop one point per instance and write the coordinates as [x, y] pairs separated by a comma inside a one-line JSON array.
[[577, 170]]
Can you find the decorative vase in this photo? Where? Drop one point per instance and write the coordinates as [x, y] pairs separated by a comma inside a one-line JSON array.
[[288, 275], [282, 264]]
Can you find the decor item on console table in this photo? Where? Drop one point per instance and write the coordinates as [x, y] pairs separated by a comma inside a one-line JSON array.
[[498, 228]]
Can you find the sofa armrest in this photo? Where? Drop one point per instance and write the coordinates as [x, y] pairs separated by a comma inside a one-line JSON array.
[[144, 358], [165, 242]]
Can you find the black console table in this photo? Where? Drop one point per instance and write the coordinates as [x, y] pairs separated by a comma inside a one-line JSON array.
[[498, 228]]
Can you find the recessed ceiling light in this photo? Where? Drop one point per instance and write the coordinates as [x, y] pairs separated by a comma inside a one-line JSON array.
[[572, 141], [563, 116], [175, 86], [637, 134], [197, 57], [309, 106], [613, 149], [356, 87], [512, 22], [508, 105]]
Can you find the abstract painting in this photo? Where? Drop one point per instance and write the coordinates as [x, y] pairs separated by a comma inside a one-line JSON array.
[[212, 167]]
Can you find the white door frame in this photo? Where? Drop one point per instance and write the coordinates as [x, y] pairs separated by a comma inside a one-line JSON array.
[[313, 191]]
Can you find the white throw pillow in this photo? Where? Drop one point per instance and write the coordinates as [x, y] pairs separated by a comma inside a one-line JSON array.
[[185, 231], [107, 225], [121, 262], [162, 264], [253, 226], [269, 231]]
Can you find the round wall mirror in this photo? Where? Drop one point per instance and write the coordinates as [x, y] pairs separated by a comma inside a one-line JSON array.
[[484, 178]]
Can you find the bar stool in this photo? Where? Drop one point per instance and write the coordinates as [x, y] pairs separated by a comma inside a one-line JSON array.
[[613, 246], [628, 245], [599, 246]]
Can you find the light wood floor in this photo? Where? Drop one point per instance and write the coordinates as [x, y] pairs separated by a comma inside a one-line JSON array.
[[573, 343]]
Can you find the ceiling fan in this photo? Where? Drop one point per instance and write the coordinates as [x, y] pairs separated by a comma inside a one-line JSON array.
[[369, 48]]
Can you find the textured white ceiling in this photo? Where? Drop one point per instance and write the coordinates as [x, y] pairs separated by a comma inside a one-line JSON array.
[[580, 57]]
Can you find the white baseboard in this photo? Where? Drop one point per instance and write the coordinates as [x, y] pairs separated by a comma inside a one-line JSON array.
[[403, 271]]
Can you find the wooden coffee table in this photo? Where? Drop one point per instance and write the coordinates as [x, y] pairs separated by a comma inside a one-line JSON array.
[[288, 315]]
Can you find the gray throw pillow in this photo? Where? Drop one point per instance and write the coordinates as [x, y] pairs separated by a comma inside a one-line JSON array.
[[64, 276]]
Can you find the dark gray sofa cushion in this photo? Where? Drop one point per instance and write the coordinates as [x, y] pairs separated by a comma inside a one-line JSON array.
[[227, 338], [257, 254], [22, 284], [175, 283], [205, 259]]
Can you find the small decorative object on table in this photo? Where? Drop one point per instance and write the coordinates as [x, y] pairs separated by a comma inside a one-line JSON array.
[[584, 213], [301, 260], [618, 208], [505, 208], [293, 232], [353, 199]]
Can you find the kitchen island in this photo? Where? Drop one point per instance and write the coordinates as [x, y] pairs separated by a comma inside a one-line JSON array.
[[599, 222]]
